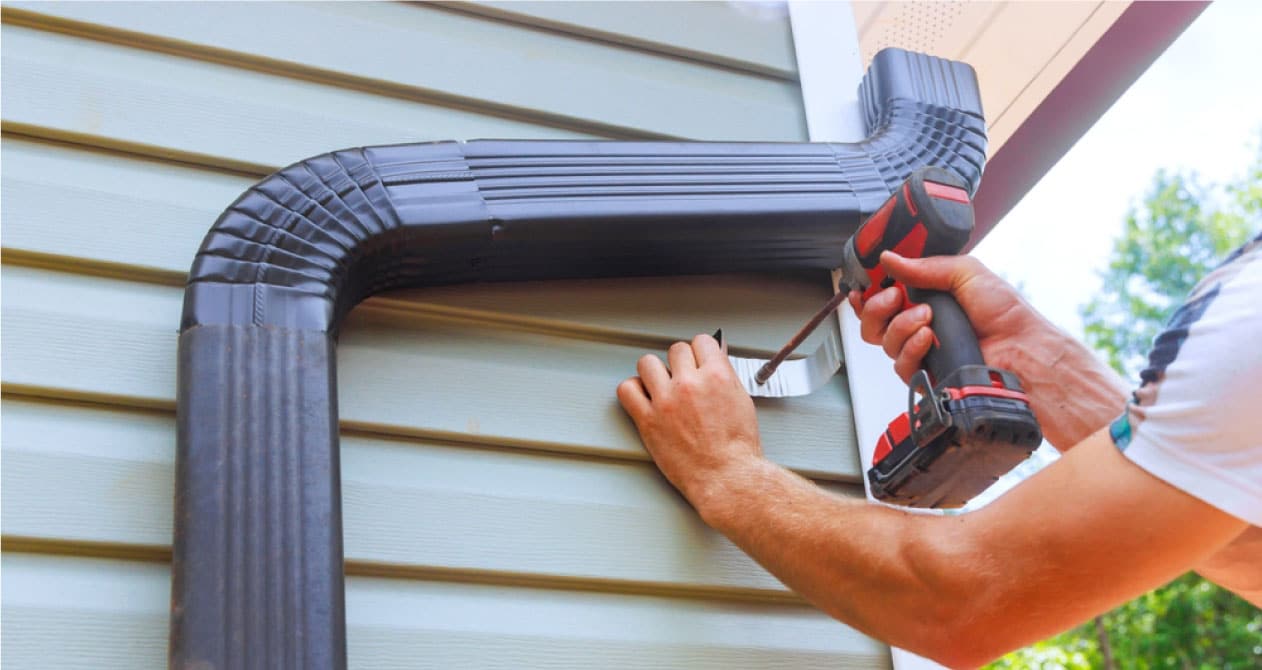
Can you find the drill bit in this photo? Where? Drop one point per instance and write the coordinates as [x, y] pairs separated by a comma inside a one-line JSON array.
[[769, 368]]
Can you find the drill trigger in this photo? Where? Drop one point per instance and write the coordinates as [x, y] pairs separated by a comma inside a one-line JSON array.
[[926, 427]]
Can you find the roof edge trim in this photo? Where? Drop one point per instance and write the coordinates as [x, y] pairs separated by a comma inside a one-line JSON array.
[[1126, 50]]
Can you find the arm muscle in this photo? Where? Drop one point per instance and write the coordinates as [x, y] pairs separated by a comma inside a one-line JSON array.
[[1089, 532]]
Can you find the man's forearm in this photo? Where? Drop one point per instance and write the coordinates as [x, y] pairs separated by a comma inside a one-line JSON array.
[[1073, 393], [958, 589], [883, 572], [964, 589]]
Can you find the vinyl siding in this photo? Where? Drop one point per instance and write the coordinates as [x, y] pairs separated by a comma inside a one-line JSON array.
[[499, 510], [106, 614]]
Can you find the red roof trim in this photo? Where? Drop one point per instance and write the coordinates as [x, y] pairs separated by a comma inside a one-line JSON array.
[[1109, 67]]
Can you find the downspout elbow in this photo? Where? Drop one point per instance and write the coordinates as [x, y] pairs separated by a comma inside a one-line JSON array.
[[257, 564]]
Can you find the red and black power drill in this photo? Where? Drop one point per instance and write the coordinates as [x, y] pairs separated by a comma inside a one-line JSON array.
[[973, 422]]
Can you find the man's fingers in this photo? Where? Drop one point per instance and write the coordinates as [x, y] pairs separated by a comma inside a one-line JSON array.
[[904, 326], [706, 351], [682, 361], [876, 315], [940, 273], [634, 398], [856, 302], [912, 353], [653, 374]]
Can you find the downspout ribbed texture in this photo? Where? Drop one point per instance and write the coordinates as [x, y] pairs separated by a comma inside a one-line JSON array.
[[257, 579]]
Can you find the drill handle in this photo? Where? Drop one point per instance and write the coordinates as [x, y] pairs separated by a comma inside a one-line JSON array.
[[931, 214], [955, 342]]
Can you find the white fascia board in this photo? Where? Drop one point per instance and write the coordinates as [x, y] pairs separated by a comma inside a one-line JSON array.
[[830, 68]]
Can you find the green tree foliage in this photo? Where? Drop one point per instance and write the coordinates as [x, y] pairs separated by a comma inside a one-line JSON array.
[[1189, 623], [1181, 230]]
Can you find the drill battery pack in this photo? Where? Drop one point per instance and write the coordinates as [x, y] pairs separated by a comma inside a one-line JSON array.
[[963, 434]]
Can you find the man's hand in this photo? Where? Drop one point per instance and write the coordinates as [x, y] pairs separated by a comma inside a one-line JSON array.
[[997, 312], [695, 418], [1070, 391]]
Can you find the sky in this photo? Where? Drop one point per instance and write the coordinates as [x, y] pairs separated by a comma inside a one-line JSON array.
[[1197, 107]]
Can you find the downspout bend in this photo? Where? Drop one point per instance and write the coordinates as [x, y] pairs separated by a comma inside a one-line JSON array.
[[257, 569]]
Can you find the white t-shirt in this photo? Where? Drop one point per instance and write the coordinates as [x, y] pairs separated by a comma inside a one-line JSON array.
[[1196, 420]]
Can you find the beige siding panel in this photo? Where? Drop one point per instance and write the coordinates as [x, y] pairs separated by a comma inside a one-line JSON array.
[[941, 28], [99, 476], [71, 335], [455, 55], [148, 218], [167, 105], [1057, 66], [865, 12], [1021, 50], [62, 612], [1014, 58], [756, 36]]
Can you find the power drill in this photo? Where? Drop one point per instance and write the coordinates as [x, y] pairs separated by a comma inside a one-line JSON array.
[[973, 422]]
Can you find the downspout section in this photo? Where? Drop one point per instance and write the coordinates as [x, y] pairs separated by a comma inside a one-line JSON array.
[[257, 569]]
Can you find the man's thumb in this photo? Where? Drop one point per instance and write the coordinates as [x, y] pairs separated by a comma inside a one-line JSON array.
[[940, 273]]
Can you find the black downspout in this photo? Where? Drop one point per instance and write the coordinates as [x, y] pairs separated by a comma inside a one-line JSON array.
[[257, 570]]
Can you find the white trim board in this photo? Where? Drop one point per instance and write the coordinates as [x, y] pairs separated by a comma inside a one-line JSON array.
[[830, 68]]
